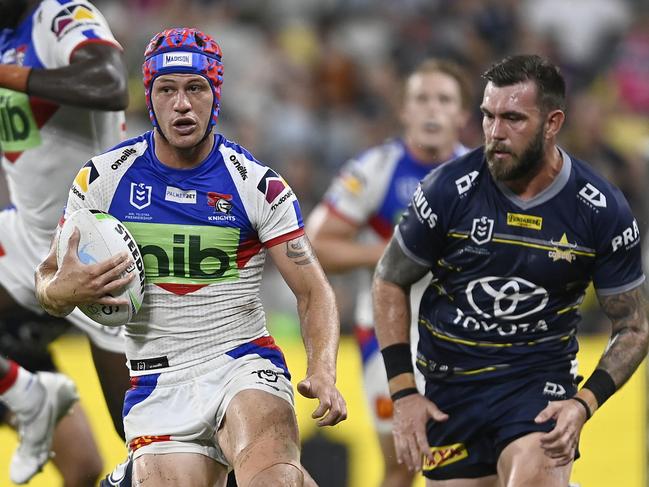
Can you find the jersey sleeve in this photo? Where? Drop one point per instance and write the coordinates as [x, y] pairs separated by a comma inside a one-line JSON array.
[[354, 193], [618, 265], [420, 232], [279, 216], [60, 29], [87, 191]]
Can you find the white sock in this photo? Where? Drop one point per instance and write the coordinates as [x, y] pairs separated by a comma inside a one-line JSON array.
[[26, 395]]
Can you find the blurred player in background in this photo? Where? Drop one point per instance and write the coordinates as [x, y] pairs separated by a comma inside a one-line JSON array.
[[352, 225], [210, 388], [62, 89], [513, 233]]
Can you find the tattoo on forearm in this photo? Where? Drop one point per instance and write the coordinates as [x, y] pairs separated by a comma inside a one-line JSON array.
[[629, 335], [300, 251]]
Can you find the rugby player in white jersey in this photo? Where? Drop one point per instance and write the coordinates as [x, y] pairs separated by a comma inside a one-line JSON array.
[[210, 390], [352, 225], [62, 88]]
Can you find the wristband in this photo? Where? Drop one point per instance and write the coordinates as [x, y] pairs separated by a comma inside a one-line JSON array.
[[585, 404], [14, 77], [397, 359], [601, 384], [408, 391]]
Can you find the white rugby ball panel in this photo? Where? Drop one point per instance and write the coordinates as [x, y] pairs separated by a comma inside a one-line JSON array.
[[101, 237]]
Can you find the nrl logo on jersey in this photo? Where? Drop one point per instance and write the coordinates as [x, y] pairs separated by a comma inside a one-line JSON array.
[[482, 230], [464, 183], [140, 195], [562, 250]]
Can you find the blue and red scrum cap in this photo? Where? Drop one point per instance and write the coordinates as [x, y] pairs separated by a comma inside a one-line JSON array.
[[183, 50]]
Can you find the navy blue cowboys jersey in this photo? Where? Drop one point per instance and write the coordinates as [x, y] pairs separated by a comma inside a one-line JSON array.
[[510, 274]]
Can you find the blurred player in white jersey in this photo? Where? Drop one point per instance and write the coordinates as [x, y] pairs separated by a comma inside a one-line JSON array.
[[62, 92], [352, 225], [210, 389]]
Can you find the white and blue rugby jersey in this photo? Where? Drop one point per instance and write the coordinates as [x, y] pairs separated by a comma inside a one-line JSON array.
[[371, 191], [510, 274], [44, 144], [202, 233]]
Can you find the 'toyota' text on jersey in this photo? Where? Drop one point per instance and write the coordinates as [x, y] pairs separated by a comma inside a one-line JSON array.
[[510, 274]]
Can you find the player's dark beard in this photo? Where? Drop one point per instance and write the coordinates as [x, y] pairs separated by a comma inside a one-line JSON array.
[[524, 165], [10, 12]]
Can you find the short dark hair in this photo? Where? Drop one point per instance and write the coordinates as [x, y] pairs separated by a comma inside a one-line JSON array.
[[449, 68], [524, 67]]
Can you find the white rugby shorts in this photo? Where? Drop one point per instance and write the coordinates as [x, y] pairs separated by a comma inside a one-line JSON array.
[[20, 253], [181, 410]]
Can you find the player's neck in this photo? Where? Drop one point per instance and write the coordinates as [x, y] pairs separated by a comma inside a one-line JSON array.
[[529, 186], [182, 158]]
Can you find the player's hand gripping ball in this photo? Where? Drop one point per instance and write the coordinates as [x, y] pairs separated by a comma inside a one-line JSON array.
[[102, 236]]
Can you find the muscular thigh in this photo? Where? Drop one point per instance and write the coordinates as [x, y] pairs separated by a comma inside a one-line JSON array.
[[178, 470], [181, 411], [257, 417], [484, 418], [523, 462]]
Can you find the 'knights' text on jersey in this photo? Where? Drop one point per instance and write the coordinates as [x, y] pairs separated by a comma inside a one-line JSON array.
[[202, 233]]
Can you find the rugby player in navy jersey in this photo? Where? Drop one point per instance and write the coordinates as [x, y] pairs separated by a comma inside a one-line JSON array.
[[352, 225], [513, 233]]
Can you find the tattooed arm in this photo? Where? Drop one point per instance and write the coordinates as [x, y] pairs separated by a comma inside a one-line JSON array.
[[394, 275], [319, 322], [629, 334]]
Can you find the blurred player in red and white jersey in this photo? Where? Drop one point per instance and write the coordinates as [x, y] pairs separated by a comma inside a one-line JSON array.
[[352, 225], [63, 87]]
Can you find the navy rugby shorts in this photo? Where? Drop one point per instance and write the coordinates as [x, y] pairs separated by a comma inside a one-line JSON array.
[[484, 417]]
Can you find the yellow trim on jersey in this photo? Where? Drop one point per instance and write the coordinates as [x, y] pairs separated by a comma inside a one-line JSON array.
[[463, 341], [528, 244], [569, 308]]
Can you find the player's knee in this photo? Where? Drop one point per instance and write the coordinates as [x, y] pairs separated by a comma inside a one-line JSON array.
[[269, 462], [278, 474]]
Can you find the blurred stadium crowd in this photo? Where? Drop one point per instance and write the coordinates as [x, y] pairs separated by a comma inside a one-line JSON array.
[[310, 83]]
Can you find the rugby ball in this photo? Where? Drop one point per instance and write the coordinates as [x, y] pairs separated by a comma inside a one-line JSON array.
[[102, 236]]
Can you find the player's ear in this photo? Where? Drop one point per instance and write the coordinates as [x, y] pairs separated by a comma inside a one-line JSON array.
[[553, 123]]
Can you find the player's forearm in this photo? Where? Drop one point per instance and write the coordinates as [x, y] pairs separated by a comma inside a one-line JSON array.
[[338, 255], [629, 337], [391, 310], [86, 84], [320, 327], [625, 351]]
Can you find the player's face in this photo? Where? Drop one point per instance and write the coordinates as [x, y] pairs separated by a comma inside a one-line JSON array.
[[513, 126], [10, 12], [432, 112], [183, 107]]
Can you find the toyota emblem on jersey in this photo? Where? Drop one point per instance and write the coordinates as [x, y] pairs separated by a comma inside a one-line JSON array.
[[482, 230], [140, 195], [505, 298]]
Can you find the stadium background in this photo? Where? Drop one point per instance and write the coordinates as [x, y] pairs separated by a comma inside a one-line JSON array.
[[310, 83]]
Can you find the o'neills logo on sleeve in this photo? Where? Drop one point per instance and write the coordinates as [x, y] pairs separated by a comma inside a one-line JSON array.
[[177, 59], [445, 455]]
